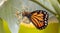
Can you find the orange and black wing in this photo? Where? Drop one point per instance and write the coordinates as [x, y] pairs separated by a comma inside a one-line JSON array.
[[39, 18]]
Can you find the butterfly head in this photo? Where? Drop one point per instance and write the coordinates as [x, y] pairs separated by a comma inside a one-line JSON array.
[[25, 13]]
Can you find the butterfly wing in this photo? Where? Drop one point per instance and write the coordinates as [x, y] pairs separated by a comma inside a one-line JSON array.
[[39, 19]]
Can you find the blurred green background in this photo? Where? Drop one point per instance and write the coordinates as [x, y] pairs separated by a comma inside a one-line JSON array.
[[8, 21]]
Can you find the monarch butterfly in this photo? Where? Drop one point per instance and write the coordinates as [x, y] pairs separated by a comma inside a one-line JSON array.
[[38, 17]]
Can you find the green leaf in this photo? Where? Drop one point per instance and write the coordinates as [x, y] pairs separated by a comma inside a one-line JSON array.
[[51, 28], [55, 5], [4, 26], [58, 1], [1, 26], [39, 3]]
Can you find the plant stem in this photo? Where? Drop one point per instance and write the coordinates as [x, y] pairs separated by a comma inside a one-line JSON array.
[[58, 1], [43, 6]]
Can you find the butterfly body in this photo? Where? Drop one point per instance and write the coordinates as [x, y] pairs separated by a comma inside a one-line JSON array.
[[39, 18]]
